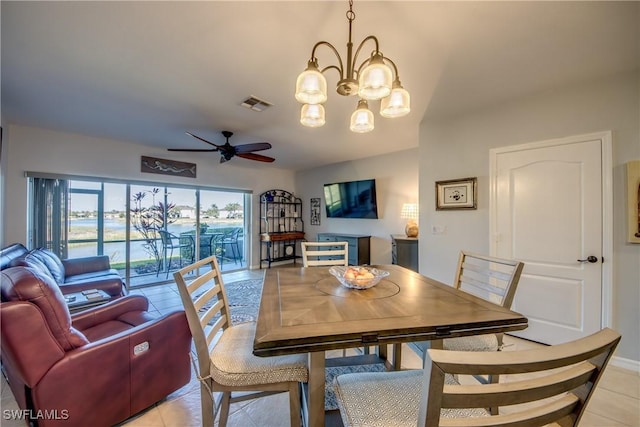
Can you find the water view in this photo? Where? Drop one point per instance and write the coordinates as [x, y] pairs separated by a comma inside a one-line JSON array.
[[115, 235]]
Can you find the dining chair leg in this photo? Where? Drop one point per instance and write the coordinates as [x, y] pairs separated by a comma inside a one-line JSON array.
[[294, 404], [224, 408], [208, 405]]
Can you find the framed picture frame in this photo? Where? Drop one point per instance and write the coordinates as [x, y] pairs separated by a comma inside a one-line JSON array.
[[457, 194], [315, 211], [167, 167], [633, 201]]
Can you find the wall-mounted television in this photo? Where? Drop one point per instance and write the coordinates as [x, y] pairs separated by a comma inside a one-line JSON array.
[[353, 199]]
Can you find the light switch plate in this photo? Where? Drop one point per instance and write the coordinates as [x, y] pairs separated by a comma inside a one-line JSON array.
[[438, 229]]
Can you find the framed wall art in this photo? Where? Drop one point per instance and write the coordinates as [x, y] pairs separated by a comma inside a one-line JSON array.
[[633, 201], [457, 194], [315, 211], [167, 167]]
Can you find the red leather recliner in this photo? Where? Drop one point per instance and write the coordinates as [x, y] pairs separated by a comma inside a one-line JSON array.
[[98, 367]]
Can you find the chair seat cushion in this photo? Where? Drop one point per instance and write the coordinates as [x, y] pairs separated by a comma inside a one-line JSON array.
[[387, 399], [487, 342], [233, 362]]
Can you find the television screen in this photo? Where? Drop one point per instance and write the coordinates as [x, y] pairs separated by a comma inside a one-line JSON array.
[[354, 199]]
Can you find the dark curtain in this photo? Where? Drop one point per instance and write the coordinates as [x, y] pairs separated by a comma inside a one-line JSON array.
[[48, 222]]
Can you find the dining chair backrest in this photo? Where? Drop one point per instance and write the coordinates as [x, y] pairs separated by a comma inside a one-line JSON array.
[[204, 299], [490, 278], [226, 363], [316, 254], [550, 384]]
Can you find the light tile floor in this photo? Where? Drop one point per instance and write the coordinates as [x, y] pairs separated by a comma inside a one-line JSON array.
[[616, 403]]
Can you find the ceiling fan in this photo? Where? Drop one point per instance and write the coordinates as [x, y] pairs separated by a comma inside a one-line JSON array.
[[227, 151]]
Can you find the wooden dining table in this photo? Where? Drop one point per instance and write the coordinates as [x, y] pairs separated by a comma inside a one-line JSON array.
[[307, 310]]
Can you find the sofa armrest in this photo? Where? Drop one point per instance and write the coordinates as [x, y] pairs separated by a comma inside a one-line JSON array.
[[28, 349], [109, 311], [75, 266], [120, 378]]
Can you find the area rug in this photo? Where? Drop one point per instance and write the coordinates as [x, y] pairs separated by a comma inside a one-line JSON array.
[[244, 302]]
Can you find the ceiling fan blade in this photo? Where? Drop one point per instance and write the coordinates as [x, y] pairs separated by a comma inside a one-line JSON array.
[[248, 148], [202, 139], [258, 157], [193, 150]]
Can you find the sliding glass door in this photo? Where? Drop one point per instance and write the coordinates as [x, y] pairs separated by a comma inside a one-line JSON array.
[[147, 230]]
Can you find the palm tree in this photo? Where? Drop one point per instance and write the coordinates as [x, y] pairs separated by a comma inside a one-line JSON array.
[[232, 210]]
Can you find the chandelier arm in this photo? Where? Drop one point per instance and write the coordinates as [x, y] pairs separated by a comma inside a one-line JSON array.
[[393, 64], [332, 66], [366, 61], [340, 68]]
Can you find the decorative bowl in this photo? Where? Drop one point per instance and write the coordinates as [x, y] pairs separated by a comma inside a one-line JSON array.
[[356, 277]]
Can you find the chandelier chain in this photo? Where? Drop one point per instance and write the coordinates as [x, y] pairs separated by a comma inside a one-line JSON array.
[[351, 15]]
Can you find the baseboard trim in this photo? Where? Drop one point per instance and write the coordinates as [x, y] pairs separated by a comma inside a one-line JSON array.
[[621, 362]]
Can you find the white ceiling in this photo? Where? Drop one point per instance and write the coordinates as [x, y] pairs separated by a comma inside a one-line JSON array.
[[149, 71]]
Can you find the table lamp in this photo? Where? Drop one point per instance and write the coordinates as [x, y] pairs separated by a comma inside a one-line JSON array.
[[410, 212]]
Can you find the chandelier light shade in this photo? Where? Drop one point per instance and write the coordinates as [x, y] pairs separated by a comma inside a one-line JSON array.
[[375, 78], [311, 87], [362, 118], [410, 213], [312, 115], [397, 104]]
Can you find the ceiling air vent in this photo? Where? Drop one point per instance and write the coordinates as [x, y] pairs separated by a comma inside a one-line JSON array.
[[255, 104]]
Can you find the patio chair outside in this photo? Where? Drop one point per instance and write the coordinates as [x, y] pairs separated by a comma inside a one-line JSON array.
[[230, 241], [170, 242]]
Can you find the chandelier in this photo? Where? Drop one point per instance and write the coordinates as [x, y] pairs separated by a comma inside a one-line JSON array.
[[371, 80]]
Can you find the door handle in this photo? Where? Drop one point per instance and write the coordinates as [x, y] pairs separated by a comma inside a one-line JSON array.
[[592, 259]]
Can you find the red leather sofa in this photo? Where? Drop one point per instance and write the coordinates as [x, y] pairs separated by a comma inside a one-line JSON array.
[[71, 275], [96, 368]]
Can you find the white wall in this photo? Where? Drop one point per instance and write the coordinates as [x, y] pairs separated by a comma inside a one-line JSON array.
[[459, 147], [42, 150], [396, 176]]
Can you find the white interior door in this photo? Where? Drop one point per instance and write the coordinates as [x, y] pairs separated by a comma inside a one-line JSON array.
[[547, 211]]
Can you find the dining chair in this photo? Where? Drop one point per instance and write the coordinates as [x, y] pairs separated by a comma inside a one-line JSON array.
[[316, 254], [224, 350], [490, 278], [543, 386], [170, 242], [319, 254]]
